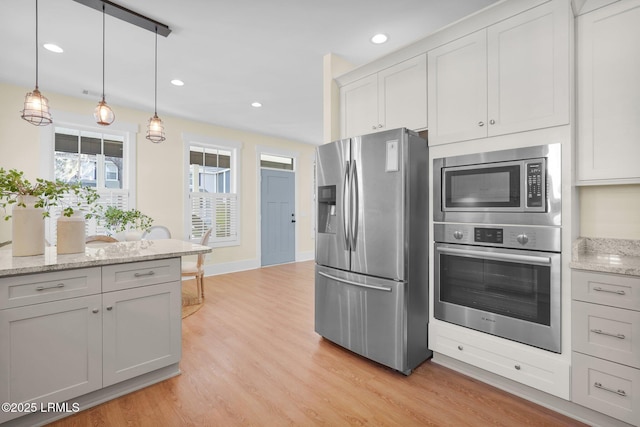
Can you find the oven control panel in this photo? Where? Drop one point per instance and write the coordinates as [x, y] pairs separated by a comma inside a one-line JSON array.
[[507, 236]]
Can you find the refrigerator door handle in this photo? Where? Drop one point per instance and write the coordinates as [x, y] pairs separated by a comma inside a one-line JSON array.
[[351, 282], [346, 193], [356, 202]]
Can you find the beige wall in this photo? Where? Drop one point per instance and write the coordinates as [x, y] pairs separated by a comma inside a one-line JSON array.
[[160, 168], [611, 211]]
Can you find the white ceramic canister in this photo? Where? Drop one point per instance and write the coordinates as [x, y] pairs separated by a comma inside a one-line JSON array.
[[71, 234], [27, 231]]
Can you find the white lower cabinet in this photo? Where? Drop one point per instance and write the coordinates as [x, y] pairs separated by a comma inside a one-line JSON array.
[[540, 369], [606, 343], [607, 387], [140, 331], [68, 346], [50, 352]]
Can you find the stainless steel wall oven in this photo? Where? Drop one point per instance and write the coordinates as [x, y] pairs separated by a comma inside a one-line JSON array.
[[496, 269]]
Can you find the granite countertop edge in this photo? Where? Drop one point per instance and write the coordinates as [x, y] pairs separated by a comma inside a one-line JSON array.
[[111, 253], [618, 256]]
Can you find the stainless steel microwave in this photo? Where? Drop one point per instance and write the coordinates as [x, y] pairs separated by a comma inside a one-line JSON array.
[[518, 186]]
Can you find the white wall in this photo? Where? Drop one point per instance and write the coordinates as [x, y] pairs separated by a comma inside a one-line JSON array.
[[160, 187], [611, 211]]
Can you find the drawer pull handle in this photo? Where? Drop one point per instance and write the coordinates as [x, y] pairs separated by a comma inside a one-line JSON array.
[[149, 273], [608, 291], [460, 348], [601, 332], [618, 392], [42, 288], [518, 367]]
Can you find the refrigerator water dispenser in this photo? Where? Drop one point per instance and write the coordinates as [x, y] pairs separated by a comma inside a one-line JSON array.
[[327, 209]]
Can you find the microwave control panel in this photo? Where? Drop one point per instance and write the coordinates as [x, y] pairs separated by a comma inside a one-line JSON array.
[[535, 184]]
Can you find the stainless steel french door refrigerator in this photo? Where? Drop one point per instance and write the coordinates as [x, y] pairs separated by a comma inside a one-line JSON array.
[[371, 278]]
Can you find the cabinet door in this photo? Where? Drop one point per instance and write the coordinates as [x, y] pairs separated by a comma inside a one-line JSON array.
[[402, 95], [608, 102], [528, 70], [457, 76], [141, 330], [50, 352], [359, 107]]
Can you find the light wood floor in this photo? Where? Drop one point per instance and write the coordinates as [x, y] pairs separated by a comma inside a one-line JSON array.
[[250, 357]]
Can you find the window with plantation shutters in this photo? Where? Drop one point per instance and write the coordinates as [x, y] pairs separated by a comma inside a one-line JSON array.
[[95, 159], [213, 200]]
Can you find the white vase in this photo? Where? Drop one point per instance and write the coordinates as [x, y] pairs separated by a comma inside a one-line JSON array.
[[71, 234], [27, 231], [133, 235]]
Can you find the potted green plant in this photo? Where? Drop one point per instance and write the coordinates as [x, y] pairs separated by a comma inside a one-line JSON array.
[[31, 202], [125, 224]]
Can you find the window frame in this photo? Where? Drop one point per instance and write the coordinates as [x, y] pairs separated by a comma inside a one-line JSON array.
[[63, 119], [235, 147]]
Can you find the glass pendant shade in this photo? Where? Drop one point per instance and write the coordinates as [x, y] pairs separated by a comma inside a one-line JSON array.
[[36, 106], [36, 109], [155, 129], [103, 114]]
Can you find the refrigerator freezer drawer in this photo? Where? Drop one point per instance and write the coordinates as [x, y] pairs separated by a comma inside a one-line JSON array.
[[363, 314]]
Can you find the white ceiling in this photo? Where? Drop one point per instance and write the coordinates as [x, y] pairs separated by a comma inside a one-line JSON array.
[[229, 53]]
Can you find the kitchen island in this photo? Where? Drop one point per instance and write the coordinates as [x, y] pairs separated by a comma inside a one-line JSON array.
[[77, 330]]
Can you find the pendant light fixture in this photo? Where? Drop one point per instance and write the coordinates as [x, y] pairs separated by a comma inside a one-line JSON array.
[[103, 114], [155, 128], [36, 106]]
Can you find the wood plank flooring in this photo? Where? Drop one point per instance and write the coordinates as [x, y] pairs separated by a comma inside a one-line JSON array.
[[251, 357]]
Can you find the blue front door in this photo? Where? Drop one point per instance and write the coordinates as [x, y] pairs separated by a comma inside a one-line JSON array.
[[277, 217]]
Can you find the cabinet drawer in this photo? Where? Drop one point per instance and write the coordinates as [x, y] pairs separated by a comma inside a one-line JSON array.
[[29, 289], [607, 332], [609, 289], [527, 365], [124, 276], [607, 387]]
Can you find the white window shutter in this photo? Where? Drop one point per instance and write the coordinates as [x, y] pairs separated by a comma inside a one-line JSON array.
[[217, 210]]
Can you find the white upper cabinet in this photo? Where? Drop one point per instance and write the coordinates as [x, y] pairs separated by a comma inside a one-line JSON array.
[[608, 99], [458, 90], [392, 98], [510, 77]]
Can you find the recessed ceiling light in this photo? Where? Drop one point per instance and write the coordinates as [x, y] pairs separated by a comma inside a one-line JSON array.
[[379, 38], [177, 82], [256, 104], [53, 47]]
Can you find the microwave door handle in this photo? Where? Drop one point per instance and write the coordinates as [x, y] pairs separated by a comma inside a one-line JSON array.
[[355, 212], [346, 199], [528, 259]]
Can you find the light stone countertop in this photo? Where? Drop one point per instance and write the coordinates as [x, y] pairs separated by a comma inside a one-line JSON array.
[[97, 255], [618, 256]]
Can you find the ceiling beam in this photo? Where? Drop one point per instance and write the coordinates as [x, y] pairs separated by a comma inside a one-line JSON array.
[[127, 15]]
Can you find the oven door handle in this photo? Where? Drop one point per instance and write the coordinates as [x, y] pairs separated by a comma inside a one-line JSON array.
[[528, 259]]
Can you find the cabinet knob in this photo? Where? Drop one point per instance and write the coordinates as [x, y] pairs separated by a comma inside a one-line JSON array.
[[460, 348], [379, 126], [110, 308], [492, 122], [480, 124], [95, 310], [517, 367], [374, 127]]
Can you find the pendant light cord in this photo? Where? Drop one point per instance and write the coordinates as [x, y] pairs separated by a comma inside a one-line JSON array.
[[36, 44], [155, 105], [103, 14]]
